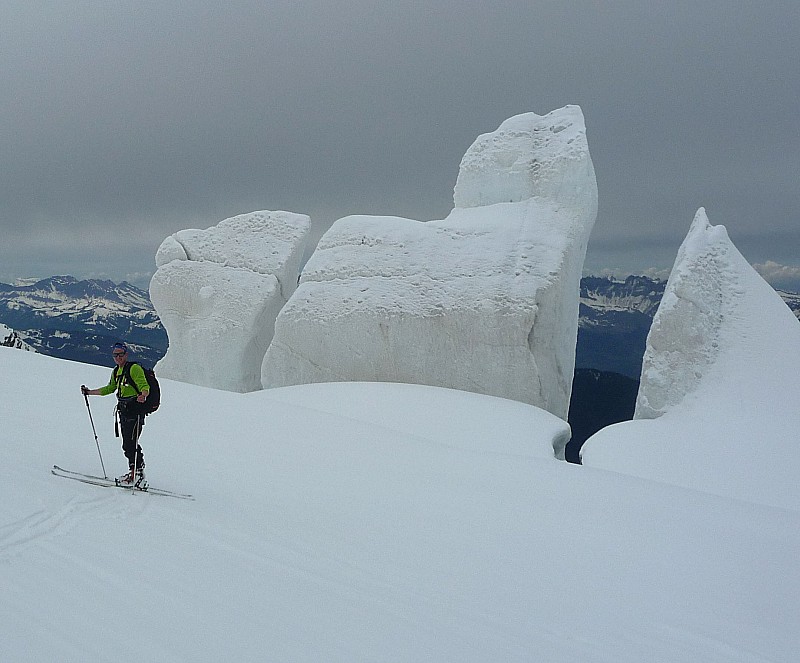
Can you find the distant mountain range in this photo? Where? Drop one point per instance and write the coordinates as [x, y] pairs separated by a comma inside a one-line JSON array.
[[81, 320], [792, 300], [615, 317]]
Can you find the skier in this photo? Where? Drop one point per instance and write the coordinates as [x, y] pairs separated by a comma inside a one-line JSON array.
[[129, 411]]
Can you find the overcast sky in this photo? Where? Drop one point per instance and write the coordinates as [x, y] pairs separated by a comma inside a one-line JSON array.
[[123, 122]]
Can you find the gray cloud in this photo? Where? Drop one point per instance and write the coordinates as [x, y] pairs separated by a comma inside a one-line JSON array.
[[150, 117]]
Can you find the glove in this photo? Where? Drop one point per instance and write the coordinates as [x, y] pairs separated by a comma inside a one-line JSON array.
[[84, 390]]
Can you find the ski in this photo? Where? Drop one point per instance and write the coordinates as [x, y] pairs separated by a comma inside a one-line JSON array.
[[106, 482]]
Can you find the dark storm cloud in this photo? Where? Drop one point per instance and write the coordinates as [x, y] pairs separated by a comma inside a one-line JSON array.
[[156, 116]]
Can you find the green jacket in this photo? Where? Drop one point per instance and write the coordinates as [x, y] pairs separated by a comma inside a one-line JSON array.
[[125, 389]]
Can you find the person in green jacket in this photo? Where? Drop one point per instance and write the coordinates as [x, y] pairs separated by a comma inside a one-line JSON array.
[[129, 410]]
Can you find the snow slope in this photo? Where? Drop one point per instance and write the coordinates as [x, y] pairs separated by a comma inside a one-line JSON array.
[[365, 523]]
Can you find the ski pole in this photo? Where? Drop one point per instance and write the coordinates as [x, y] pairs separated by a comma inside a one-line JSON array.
[[94, 430], [135, 457]]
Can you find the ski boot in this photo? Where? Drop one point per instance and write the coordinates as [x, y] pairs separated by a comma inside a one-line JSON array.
[[125, 479]]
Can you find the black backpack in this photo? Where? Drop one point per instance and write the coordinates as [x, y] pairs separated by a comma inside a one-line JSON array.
[[154, 397]]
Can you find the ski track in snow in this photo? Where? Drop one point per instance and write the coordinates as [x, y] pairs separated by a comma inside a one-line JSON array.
[[44, 524]]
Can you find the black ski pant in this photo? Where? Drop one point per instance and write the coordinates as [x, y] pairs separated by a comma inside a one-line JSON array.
[[131, 429]]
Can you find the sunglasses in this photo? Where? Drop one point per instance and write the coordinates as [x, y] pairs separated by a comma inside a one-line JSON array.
[[118, 354]]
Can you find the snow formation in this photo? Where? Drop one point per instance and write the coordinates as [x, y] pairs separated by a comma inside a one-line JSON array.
[[717, 404], [218, 291], [485, 300]]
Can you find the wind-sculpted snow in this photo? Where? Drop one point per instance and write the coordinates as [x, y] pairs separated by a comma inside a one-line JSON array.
[[684, 339], [529, 156], [721, 363], [485, 300], [218, 292]]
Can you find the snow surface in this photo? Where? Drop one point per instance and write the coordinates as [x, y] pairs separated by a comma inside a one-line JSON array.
[[485, 300], [218, 291], [358, 522], [717, 408]]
